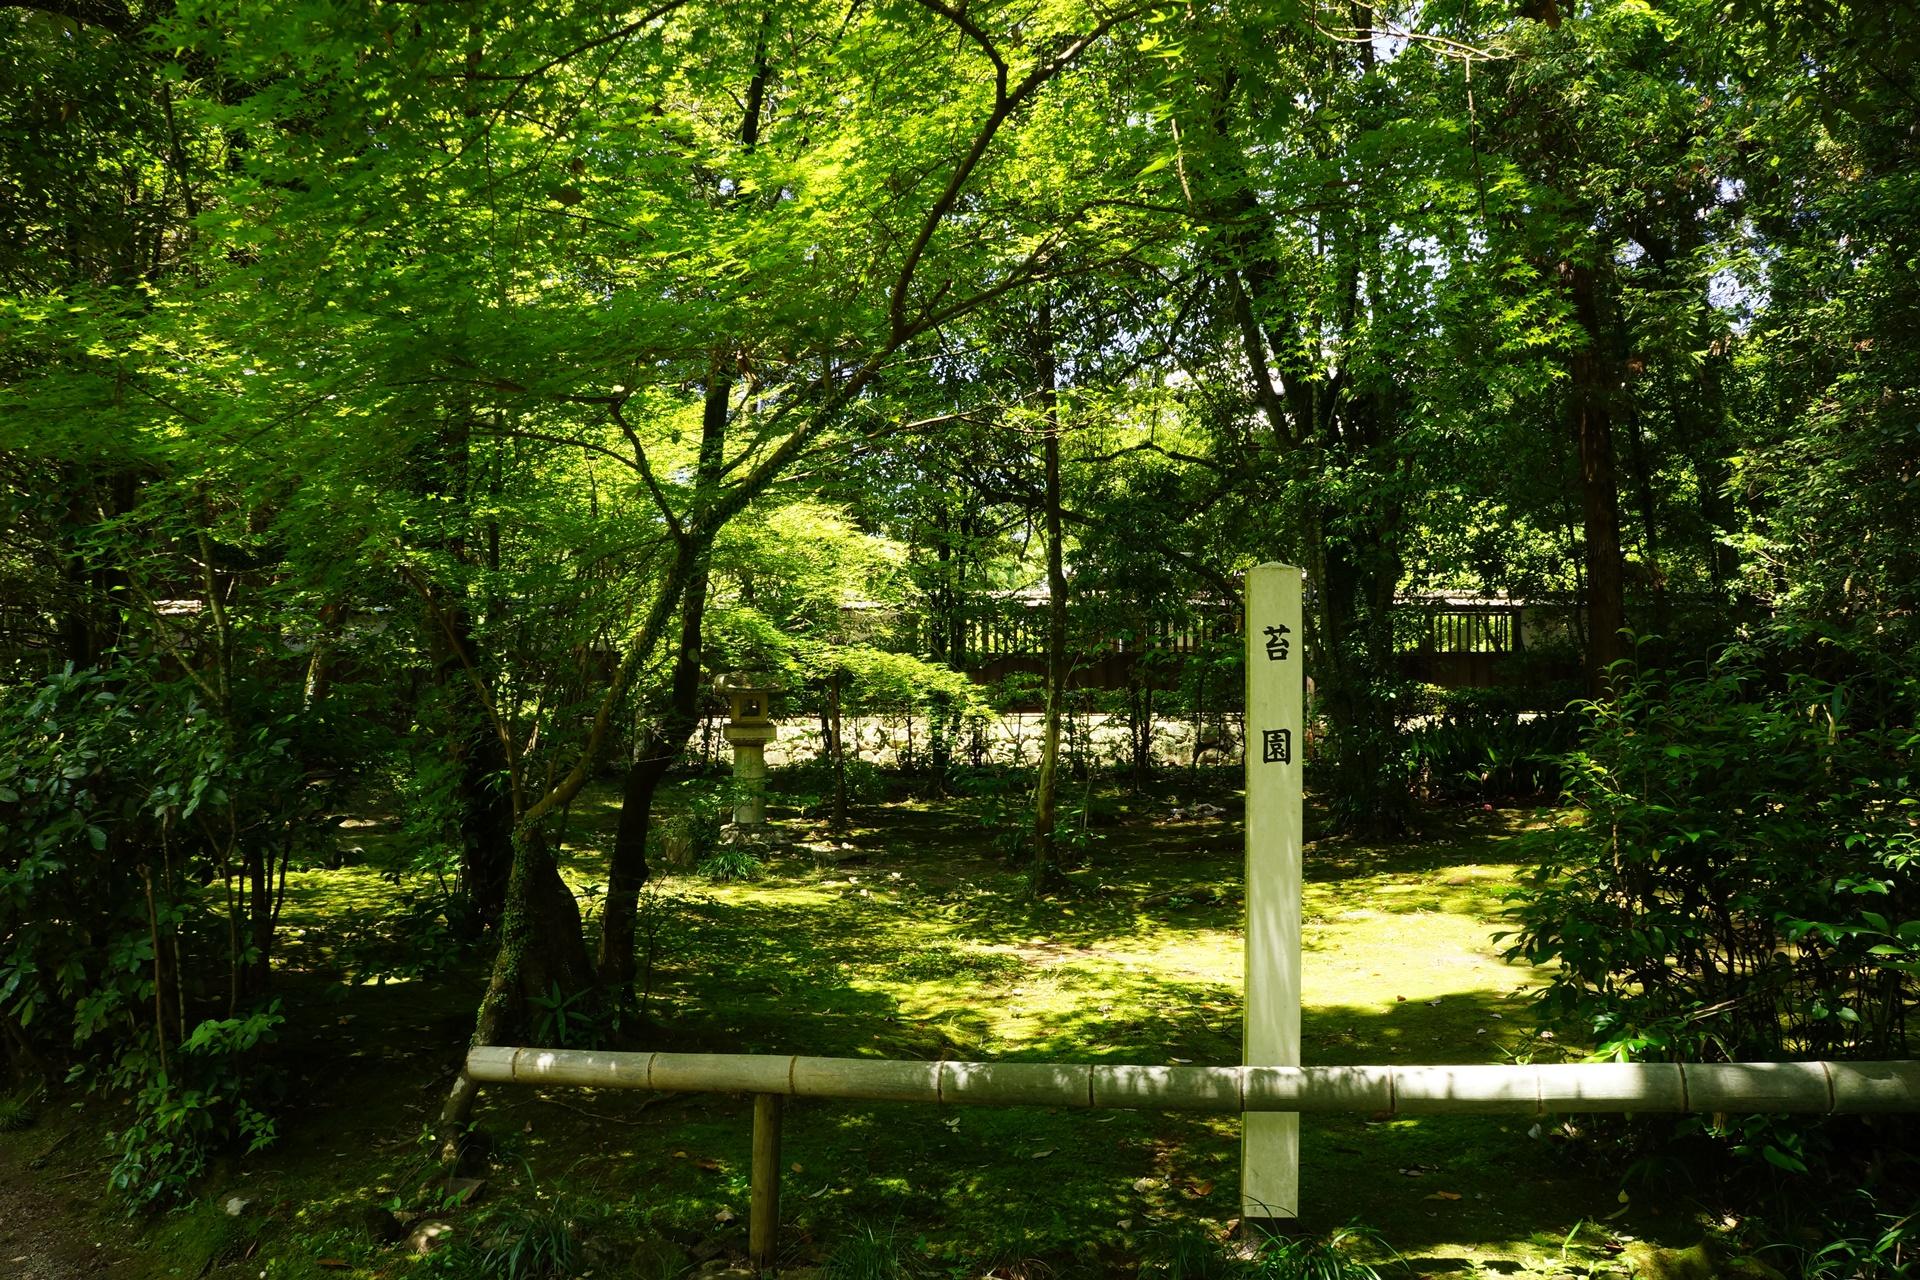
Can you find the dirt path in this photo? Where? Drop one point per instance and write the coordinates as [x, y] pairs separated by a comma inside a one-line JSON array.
[[42, 1234]]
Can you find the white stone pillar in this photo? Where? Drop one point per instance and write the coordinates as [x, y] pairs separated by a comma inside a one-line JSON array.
[[1275, 742]]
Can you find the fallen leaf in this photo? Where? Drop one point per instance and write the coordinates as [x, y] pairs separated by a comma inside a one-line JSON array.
[[1444, 1195], [796, 1167], [1042, 1155], [1199, 1188], [679, 1155], [725, 1215], [1124, 1223], [1144, 1185], [708, 1163]]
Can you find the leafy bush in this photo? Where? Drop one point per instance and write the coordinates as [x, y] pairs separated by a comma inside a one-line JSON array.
[[142, 831], [1741, 880], [808, 784], [206, 1102], [1487, 744], [690, 835], [564, 1020]]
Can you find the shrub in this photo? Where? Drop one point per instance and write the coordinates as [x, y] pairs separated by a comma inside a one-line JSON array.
[[141, 832], [1487, 744], [1740, 882]]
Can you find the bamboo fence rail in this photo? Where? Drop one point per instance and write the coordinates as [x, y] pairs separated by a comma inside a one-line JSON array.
[[1817, 1088]]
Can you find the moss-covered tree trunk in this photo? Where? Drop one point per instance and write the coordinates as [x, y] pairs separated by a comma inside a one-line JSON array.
[[541, 954]]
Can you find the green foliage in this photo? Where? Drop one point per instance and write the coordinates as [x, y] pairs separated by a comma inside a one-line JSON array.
[[533, 1239], [568, 1020], [18, 1110], [533, 1243], [730, 863], [209, 1102], [870, 1253], [1886, 1246], [1489, 745], [122, 797], [1317, 1257], [690, 835], [1204, 1255], [808, 785], [1741, 879]]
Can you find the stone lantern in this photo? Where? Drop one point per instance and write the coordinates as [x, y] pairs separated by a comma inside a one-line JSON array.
[[750, 728]]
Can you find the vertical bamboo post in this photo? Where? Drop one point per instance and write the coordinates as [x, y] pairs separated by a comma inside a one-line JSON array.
[[763, 1218], [1275, 740]]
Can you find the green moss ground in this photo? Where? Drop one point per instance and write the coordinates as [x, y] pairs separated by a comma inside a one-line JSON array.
[[924, 948]]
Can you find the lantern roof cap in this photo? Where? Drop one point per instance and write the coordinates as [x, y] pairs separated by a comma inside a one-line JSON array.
[[747, 682]]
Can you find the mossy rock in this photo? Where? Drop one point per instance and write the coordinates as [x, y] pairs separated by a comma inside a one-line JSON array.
[[1701, 1262]]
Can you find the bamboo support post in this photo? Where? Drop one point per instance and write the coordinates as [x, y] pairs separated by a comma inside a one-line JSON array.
[[763, 1218]]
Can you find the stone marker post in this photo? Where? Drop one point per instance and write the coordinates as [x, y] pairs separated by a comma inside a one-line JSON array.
[[1275, 738]]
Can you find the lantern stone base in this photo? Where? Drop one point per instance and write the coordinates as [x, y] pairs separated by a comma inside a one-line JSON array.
[[763, 839]]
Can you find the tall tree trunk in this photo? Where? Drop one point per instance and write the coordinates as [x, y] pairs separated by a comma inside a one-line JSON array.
[[939, 626], [666, 740], [1045, 869], [837, 747], [673, 728], [484, 787], [1593, 379]]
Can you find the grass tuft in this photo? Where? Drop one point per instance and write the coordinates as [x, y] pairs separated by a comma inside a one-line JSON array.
[[872, 1254], [18, 1111], [729, 865], [1328, 1257]]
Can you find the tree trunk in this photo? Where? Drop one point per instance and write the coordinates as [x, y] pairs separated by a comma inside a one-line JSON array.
[[484, 788], [1045, 870], [1593, 379], [541, 952], [939, 628], [627, 869], [837, 749], [673, 729]]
